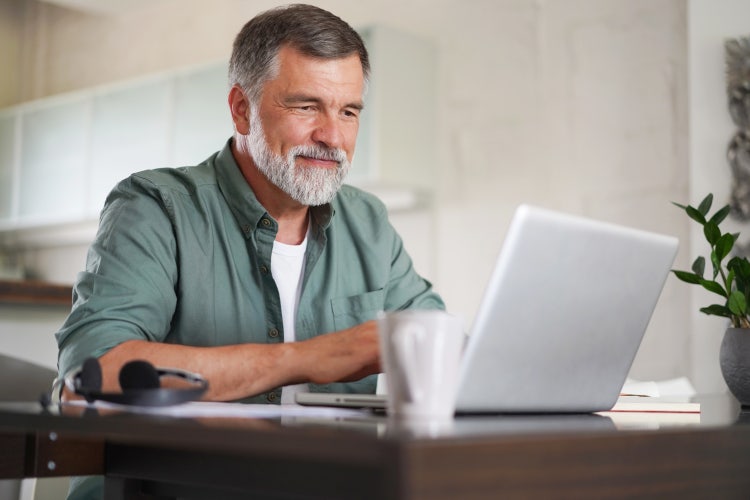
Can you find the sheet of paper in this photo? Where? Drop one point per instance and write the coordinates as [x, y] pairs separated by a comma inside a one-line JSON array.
[[679, 386], [214, 409], [639, 388]]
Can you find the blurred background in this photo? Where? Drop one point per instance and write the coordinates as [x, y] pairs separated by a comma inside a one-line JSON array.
[[604, 108]]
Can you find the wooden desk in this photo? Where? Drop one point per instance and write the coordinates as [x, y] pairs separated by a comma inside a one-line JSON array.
[[583, 456]]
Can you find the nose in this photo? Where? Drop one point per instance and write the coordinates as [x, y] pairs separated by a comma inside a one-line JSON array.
[[328, 132]]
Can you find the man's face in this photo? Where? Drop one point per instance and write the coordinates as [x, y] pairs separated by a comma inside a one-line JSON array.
[[304, 129]]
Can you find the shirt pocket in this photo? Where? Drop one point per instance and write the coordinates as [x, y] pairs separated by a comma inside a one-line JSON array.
[[355, 310]]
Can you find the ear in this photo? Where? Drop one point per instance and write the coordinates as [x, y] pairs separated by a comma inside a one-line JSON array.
[[239, 105]]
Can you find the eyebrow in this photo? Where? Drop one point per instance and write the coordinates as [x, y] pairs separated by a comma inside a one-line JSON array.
[[303, 98]]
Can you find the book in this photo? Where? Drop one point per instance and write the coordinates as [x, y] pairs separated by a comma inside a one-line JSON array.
[[645, 412]]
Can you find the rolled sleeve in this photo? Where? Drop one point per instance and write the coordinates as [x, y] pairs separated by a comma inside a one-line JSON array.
[[128, 289]]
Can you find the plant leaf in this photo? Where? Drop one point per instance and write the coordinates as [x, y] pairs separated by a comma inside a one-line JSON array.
[[705, 205], [699, 266], [715, 263], [711, 232], [687, 277], [695, 215], [724, 246], [717, 310], [730, 279], [741, 269], [679, 205], [737, 303], [713, 286], [740, 266], [719, 216]]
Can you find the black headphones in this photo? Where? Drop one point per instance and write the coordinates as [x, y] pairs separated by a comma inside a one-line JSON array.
[[140, 382]]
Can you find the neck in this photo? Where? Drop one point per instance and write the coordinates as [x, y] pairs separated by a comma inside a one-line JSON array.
[[292, 227]]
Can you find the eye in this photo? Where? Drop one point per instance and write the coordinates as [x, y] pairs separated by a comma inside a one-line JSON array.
[[351, 113], [303, 108]]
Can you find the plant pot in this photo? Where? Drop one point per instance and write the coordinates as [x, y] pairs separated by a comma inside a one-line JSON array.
[[734, 359]]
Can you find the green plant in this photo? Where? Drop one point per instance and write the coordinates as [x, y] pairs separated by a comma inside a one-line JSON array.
[[730, 280]]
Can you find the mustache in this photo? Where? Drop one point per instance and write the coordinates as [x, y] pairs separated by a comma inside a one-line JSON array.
[[318, 153]]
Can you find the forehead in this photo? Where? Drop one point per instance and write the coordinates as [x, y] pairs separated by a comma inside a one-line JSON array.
[[299, 72]]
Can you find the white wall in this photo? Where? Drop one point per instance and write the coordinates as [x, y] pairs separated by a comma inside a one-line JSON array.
[[579, 105], [576, 105], [710, 24]]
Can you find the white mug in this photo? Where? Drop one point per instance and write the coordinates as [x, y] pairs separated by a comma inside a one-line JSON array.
[[421, 353]]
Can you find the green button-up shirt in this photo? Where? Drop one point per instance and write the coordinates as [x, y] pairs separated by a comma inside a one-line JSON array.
[[184, 256]]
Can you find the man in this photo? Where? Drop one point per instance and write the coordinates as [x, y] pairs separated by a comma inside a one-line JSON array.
[[256, 268]]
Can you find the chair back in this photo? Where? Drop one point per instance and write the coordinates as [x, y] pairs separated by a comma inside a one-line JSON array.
[[23, 380]]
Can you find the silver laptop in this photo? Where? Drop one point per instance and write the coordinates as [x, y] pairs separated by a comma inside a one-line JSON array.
[[561, 319]]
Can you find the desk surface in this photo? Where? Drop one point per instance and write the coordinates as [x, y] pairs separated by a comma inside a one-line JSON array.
[[579, 456]]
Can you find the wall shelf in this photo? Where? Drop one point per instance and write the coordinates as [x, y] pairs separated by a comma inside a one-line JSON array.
[[35, 293]]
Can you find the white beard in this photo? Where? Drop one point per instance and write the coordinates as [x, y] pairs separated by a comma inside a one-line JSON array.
[[308, 185]]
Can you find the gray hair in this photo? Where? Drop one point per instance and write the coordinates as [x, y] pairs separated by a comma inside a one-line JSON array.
[[310, 30]]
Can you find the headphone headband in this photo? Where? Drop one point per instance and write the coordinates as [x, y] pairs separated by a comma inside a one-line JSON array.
[[140, 382]]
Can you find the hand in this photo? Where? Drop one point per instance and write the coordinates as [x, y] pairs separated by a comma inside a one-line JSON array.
[[342, 356]]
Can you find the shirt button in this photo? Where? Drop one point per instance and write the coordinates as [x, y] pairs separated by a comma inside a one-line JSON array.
[[273, 333], [246, 228], [272, 397], [263, 269], [266, 222]]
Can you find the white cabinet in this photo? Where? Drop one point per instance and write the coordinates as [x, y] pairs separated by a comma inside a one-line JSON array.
[[53, 161], [202, 122], [7, 154], [60, 156], [130, 132], [397, 141]]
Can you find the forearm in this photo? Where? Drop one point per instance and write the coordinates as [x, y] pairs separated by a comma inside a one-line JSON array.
[[238, 371], [233, 371]]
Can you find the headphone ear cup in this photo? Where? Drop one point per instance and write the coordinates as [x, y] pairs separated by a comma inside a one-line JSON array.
[[140, 382], [90, 379], [139, 374]]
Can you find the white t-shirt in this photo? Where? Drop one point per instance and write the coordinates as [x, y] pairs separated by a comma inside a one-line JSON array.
[[287, 267]]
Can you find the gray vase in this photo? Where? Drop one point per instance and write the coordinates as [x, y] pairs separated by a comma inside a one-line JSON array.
[[734, 358]]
